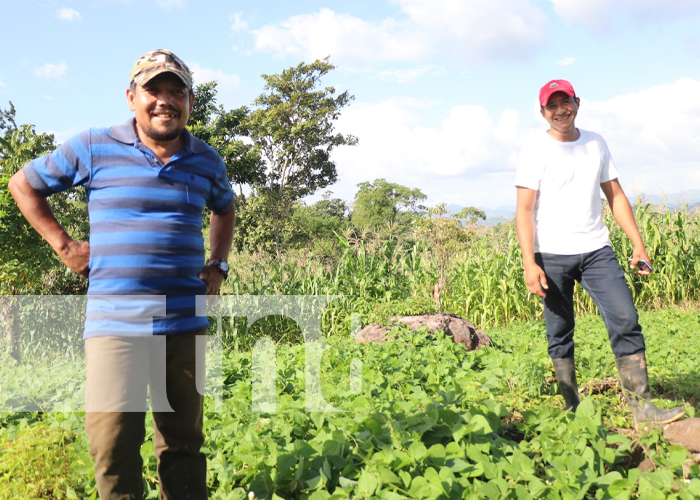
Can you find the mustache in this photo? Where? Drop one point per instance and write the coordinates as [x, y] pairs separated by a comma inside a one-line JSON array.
[[163, 109]]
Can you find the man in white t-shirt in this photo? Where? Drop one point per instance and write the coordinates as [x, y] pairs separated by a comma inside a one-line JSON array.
[[563, 240]]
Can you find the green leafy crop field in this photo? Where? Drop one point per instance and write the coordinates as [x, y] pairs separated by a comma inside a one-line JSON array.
[[430, 420]]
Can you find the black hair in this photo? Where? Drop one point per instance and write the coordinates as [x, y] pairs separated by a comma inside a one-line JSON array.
[[132, 86], [574, 97]]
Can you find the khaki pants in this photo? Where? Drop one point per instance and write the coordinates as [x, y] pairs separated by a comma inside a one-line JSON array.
[[119, 370]]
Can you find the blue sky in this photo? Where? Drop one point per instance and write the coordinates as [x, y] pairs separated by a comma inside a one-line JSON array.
[[445, 90]]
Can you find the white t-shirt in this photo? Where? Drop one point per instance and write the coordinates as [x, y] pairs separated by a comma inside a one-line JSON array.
[[567, 177]]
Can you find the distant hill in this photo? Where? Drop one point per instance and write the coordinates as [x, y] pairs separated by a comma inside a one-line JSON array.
[[690, 198], [493, 215]]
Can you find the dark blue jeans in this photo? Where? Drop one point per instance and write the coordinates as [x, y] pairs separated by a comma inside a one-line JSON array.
[[600, 275]]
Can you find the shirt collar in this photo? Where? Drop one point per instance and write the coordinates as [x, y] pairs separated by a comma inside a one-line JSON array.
[[194, 145], [126, 133]]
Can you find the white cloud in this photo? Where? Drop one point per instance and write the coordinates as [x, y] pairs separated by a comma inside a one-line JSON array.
[[2, 84], [567, 61], [470, 158], [227, 85], [469, 149], [345, 37], [68, 14], [473, 30], [591, 13], [480, 29], [238, 23], [171, 4], [600, 15], [52, 71], [652, 134], [407, 75]]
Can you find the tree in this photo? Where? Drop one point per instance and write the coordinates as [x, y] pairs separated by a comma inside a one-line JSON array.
[[322, 221], [383, 203], [445, 237], [332, 207], [23, 254], [25, 258], [471, 214], [256, 230], [7, 124], [258, 226], [223, 131], [294, 126]]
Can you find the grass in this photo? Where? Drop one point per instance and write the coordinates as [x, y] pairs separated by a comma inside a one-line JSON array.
[[44, 462]]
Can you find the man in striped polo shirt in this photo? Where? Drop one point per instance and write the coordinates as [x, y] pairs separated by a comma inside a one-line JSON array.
[[147, 183]]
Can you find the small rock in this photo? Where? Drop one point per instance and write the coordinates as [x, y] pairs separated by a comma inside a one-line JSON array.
[[372, 333], [684, 432], [461, 330], [646, 465]]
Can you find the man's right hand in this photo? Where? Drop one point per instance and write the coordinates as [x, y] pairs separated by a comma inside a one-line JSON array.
[[536, 280], [76, 255], [37, 211], [525, 224]]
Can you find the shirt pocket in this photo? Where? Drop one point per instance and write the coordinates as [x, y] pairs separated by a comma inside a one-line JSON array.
[[193, 189]]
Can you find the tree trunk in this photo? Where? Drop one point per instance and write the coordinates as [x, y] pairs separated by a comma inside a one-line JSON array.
[[9, 322], [439, 286]]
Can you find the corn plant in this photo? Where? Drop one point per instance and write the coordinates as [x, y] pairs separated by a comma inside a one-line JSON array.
[[485, 276]]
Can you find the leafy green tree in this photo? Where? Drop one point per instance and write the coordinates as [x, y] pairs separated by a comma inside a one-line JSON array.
[[321, 223], [223, 131], [381, 203], [294, 126], [332, 207], [304, 226], [472, 215], [446, 237], [259, 227], [23, 254], [7, 123], [25, 258]]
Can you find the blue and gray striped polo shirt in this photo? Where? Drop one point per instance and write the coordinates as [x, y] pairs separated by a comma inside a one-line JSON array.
[[145, 226]]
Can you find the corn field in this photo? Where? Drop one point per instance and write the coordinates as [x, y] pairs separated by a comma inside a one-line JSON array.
[[380, 278]]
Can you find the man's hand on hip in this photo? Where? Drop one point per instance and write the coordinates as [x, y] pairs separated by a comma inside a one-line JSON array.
[[76, 255], [213, 278]]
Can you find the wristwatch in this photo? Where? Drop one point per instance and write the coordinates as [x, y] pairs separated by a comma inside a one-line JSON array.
[[221, 265]]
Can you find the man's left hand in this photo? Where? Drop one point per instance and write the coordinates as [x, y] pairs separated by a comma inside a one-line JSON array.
[[213, 278], [638, 255]]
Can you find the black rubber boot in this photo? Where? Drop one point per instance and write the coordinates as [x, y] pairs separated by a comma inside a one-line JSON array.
[[565, 370], [635, 382]]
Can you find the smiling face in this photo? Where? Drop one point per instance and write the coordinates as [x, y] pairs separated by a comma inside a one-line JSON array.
[[560, 112], [161, 107]]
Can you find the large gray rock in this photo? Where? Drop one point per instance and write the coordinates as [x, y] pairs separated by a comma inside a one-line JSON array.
[[461, 330], [684, 432]]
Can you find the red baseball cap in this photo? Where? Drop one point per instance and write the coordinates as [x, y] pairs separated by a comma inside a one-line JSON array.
[[555, 86]]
